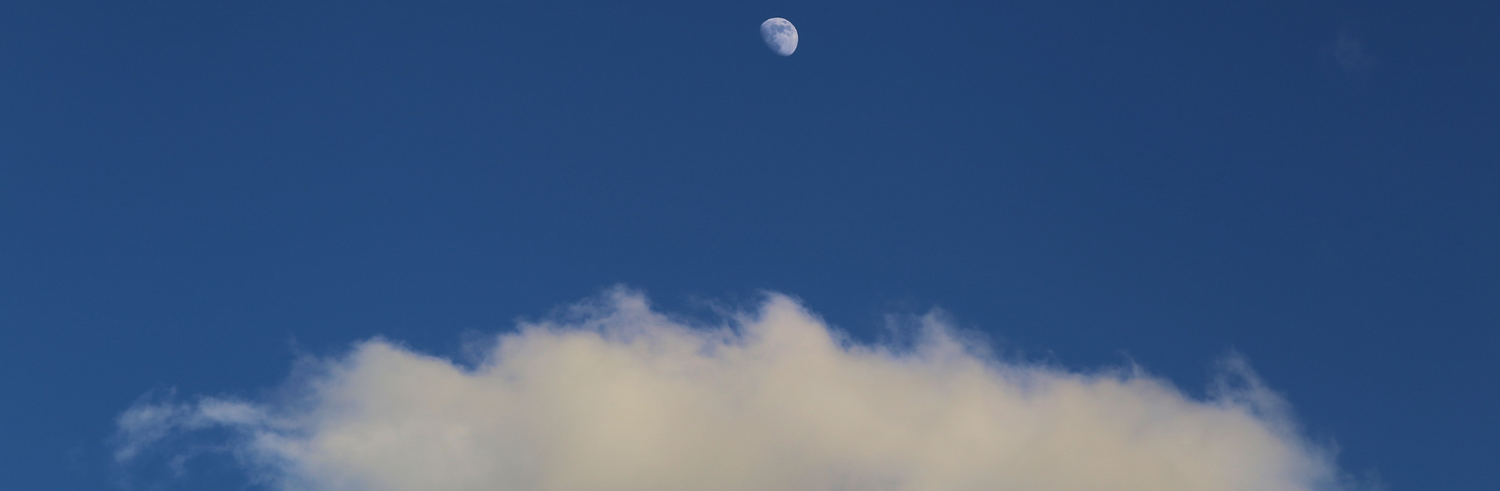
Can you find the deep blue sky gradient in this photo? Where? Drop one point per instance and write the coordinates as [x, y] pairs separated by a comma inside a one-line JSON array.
[[192, 193]]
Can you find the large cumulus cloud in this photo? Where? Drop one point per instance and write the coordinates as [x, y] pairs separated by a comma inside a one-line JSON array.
[[619, 397]]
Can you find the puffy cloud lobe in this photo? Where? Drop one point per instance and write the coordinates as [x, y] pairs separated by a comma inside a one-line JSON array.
[[624, 398]]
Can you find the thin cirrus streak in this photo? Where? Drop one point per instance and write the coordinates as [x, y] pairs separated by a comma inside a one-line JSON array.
[[621, 397]]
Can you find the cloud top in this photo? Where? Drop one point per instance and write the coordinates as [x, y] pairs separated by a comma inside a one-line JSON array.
[[620, 397]]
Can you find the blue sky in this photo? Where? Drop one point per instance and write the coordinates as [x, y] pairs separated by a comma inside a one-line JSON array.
[[194, 194]]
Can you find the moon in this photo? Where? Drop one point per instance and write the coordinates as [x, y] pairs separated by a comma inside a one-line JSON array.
[[780, 35]]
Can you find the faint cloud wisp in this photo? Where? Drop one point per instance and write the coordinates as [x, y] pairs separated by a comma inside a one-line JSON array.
[[1349, 53]]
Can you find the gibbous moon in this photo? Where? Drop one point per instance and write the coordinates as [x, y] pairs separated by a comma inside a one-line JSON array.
[[780, 35]]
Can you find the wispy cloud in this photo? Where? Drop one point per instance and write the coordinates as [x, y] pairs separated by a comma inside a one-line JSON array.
[[1349, 53], [620, 397]]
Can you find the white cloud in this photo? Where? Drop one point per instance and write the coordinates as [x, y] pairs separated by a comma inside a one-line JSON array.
[[622, 398]]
